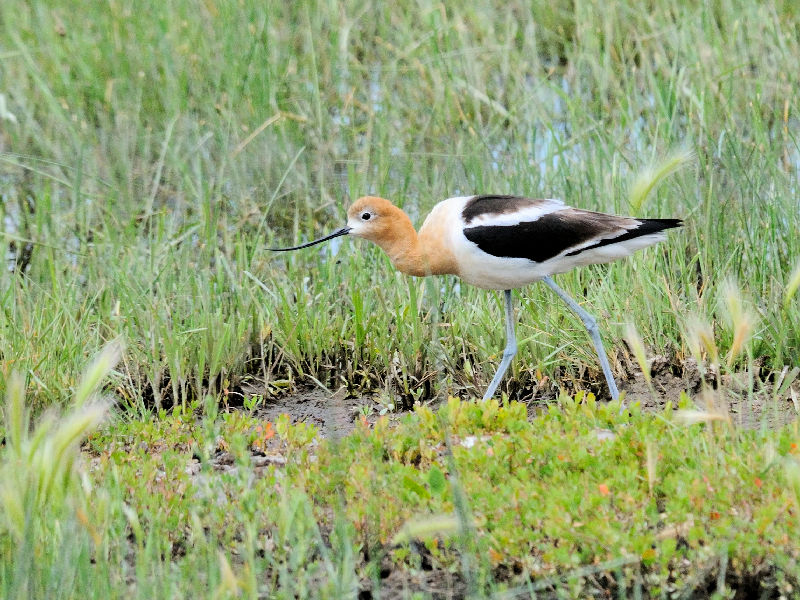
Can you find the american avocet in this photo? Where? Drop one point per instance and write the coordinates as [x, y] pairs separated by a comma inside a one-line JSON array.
[[501, 243]]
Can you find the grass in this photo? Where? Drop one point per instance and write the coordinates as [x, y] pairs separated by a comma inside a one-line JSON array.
[[574, 502], [150, 152], [149, 182]]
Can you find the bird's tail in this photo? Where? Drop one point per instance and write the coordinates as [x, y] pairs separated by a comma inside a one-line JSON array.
[[648, 226], [647, 229]]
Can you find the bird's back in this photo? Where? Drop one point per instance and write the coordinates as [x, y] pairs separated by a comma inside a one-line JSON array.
[[503, 242]]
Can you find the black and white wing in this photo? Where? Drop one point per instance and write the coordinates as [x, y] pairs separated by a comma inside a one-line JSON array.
[[542, 230]]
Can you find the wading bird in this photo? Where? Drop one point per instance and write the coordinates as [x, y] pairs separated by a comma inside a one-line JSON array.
[[501, 243]]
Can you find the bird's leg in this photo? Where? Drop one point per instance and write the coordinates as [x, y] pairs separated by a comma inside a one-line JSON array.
[[594, 332], [509, 352]]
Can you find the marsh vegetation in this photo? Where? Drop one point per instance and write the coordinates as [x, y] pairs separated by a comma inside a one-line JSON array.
[[149, 154]]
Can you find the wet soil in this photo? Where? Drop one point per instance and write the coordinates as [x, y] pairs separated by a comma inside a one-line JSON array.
[[767, 400], [748, 399], [334, 415]]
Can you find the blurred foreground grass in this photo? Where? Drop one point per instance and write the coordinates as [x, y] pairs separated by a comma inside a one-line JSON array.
[[473, 500]]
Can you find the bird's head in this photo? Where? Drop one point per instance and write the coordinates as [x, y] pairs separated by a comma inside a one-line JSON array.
[[372, 218]]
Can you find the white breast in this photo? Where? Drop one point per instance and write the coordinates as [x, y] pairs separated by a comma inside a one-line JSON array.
[[476, 267]]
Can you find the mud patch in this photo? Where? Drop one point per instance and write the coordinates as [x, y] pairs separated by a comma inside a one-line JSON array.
[[334, 416], [749, 400], [770, 400]]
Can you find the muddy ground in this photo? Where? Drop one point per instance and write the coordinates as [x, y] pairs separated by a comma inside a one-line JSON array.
[[771, 402]]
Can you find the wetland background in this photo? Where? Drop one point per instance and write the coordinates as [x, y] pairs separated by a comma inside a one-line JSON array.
[[150, 152]]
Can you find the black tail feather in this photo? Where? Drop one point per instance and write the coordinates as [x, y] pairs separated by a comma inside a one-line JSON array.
[[645, 227], [655, 225]]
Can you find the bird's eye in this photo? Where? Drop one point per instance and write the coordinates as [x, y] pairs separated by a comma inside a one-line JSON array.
[[365, 216]]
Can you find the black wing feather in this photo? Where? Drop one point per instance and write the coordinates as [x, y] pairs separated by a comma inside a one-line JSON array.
[[552, 234], [646, 227]]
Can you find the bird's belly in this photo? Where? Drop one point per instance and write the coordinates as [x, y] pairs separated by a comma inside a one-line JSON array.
[[499, 273]]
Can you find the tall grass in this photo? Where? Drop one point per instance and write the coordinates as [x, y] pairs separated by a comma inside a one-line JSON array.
[[156, 148], [50, 520]]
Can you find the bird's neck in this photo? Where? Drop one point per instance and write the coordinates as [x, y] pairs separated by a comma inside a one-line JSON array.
[[417, 254]]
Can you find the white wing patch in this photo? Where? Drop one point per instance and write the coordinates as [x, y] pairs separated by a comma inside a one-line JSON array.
[[532, 212]]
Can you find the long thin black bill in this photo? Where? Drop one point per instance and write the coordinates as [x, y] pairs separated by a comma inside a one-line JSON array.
[[337, 233]]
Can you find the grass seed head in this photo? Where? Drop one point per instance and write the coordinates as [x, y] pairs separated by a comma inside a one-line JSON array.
[[650, 177], [700, 338], [692, 417], [17, 417], [738, 318], [101, 366], [229, 584], [637, 346], [434, 525], [791, 287], [36, 472]]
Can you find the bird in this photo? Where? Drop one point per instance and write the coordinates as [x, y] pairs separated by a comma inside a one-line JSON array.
[[503, 242]]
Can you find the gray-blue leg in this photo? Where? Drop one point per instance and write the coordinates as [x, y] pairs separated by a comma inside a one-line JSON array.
[[594, 332], [509, 352]]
